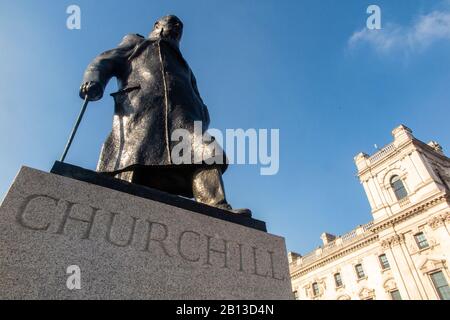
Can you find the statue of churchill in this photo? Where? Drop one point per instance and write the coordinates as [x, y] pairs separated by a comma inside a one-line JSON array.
[[157, 95]]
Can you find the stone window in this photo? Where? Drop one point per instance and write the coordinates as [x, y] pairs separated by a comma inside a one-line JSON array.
[[384, 262], [315, 287], [296, 295], [395, 295], [338, 280], [391, 289], [399, 188], [441, 285], [360, 271], [421, 240]]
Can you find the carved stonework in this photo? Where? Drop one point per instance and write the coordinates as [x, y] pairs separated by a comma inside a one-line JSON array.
[[385, 244], [309, 290], [336, 270], [390, 285], [367, 294], [431, 265], [438, 221], [393, 241], [398, 239], [412, 246], [436, 146]]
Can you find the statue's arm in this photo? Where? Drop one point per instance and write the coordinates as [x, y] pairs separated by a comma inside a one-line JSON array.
[[206, 118], [107, 65]]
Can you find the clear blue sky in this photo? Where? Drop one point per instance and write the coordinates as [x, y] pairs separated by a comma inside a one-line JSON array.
[[306, 67]]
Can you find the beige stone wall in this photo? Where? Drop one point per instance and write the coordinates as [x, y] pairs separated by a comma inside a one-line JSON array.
[[423, 169]]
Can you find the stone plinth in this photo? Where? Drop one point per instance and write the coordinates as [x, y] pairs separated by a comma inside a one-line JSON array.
[[129, 242]]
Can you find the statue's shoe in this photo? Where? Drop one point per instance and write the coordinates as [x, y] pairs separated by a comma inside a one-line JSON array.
[[240, 212]]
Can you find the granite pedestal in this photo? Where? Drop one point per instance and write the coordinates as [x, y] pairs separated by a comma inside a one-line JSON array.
[[129, 242]]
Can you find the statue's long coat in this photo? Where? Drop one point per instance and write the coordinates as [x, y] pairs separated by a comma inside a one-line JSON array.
[[157, 94]]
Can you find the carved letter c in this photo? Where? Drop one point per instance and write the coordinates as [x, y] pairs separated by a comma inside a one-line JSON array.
[[21, 215]]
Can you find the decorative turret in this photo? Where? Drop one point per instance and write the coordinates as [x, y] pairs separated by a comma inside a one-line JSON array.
[[401, 174]]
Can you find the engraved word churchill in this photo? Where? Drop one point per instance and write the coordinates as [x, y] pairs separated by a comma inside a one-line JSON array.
[[119, 230]]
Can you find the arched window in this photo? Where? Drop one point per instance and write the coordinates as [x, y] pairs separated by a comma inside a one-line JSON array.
[[399, 188]]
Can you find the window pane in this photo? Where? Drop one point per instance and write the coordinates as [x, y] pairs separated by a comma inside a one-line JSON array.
[[421, 240], [384, 262], [396, 295], [359, 271], [338, 280], [399, 188], [315, 289], [441, 285]]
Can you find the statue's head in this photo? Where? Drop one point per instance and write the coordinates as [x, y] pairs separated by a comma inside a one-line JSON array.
[[169, 27]]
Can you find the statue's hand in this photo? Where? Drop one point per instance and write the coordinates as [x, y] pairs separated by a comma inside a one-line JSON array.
[[92, 89]]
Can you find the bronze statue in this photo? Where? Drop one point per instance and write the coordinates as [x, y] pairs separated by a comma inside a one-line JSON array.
[[157, 95]]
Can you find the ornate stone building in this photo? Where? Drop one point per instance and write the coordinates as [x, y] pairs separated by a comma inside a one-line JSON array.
[[404, 252]]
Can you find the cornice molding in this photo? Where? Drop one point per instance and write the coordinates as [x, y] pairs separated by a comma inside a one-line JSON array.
[[338, 254], [439, 220], [386, 243], [397, 151], [411, 212], [431, 150], [417, 144], [393, 241]]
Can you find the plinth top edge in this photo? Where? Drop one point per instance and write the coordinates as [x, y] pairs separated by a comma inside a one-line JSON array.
[[106, 181]]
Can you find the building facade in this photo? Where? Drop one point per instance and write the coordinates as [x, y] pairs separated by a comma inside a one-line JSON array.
[[404, 252]]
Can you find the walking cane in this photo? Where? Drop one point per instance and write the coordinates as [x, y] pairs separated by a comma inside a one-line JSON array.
[[75, 128]]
